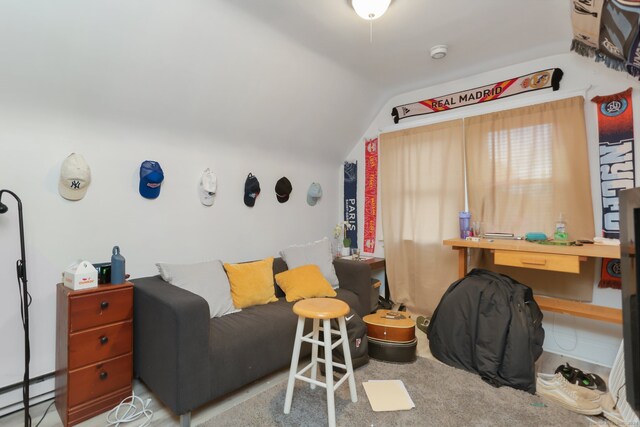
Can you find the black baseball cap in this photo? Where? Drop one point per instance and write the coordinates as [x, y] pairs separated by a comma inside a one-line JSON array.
[[251, 190], [283, 189]]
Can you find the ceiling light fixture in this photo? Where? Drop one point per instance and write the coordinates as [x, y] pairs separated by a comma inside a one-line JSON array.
[[370, 9], [439, 51]]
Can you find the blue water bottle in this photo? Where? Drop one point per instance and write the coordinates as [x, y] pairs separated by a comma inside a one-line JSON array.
[[117, 267]]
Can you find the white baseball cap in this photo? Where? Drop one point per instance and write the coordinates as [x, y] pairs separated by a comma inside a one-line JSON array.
[[208, 185], [75, 177]]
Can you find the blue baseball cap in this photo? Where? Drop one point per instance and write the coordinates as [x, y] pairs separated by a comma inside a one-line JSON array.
[[151, 177]]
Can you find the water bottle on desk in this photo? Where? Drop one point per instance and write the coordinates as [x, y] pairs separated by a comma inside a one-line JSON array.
[[465, 224]]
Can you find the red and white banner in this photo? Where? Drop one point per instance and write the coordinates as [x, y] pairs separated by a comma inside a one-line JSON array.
[[534, 81], [370, 194]]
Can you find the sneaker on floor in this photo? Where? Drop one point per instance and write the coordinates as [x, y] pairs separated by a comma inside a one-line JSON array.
[[422, 322], [551, 379], [560, 391]]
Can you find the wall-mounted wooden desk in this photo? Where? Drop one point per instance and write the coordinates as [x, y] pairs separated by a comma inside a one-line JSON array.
[[520, 253]]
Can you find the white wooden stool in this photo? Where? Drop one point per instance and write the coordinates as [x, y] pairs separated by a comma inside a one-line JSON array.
[[323, 309]]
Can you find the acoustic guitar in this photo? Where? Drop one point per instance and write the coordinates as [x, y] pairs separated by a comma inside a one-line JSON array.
[[391, 326]]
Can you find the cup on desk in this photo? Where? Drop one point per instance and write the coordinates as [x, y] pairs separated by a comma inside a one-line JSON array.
[[355, 254], [476, 227]]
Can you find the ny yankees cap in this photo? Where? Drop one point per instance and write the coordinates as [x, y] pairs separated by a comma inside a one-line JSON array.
[[208, 185], [75, 177], [151, 177], [251, 190], [314, 194], [283, 189]]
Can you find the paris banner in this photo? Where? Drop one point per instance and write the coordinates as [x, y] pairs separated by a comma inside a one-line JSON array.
[[535, 81], [617, 169], [370, 194], [350, 201]]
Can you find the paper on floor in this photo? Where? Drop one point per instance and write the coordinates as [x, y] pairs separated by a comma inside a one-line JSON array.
[[388, 395]]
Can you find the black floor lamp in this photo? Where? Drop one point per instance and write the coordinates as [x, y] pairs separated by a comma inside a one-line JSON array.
[[25, 300]]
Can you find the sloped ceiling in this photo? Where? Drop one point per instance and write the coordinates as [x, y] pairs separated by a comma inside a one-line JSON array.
[[298, 75]]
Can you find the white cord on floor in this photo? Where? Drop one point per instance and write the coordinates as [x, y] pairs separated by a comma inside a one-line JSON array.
[[575, 333], [131, 412]]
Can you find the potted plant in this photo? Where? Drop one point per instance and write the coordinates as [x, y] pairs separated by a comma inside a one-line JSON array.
[[342, 246], [346, 242]]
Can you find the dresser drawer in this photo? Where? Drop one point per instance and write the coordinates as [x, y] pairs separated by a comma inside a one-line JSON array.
[[97, 380], [539, 261], [93, 345], [100, 308]]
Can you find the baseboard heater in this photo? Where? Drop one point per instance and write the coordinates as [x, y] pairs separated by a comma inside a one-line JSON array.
[[10, 404], [617, 387]]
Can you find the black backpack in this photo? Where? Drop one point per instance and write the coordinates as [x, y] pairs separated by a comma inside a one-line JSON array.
[[358, 343]]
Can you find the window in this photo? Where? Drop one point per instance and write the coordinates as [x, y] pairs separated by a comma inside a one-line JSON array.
[[526, 166]]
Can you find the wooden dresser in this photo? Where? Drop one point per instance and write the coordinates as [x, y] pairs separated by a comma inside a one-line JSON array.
[[94, 350]]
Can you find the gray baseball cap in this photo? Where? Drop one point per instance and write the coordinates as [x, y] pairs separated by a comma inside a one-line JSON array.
[[314, 194]]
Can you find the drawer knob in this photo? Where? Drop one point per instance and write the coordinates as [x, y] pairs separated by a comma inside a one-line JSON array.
[[104, 305], [103, 375], [104, 340]]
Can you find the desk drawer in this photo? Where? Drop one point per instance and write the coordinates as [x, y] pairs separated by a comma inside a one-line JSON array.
[[539, 261]]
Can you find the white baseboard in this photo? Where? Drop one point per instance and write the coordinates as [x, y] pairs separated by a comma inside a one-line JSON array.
[[583, 339]]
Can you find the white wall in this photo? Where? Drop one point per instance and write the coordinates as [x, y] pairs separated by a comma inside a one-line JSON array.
[[173, 228], [580, 338]]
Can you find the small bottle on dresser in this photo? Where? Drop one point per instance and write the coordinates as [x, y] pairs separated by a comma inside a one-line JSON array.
[[560, 232]]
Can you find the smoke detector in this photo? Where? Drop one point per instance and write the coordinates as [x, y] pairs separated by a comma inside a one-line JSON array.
[[439, 51]]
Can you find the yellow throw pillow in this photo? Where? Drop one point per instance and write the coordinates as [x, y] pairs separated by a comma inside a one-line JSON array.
[[302, 282], [251, 283]]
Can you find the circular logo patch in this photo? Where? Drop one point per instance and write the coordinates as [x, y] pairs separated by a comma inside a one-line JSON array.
[[614, 108], [613, 268], [540, 79]]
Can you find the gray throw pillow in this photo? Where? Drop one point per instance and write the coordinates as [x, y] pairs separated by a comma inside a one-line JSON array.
[[318, 253], [207, 279]]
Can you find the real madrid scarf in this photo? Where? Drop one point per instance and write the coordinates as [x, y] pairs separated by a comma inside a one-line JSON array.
[[515, 86], [617, 170], [350, 201]]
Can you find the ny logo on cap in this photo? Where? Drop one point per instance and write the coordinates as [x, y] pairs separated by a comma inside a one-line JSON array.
[[75, 184]]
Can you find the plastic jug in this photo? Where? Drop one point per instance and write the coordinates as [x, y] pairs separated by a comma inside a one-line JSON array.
[[561, 229], [117, 267]]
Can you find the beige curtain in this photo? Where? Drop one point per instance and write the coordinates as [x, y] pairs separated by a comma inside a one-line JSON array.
[[525, 167], [422, 191]]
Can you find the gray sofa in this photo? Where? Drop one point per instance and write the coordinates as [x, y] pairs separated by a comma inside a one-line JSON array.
[[188, 359]]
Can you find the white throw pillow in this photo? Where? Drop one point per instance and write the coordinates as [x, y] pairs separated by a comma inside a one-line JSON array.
[[318, 253], [207, 279]]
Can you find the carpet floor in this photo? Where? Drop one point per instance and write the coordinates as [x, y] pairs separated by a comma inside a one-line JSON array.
[[444, 396]]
